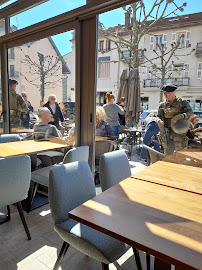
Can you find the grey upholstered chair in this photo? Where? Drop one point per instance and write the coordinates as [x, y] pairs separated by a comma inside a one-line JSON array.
[[14, 182], [152, 155], [41, 176], [4, 138], [115, 167], [70, 185]]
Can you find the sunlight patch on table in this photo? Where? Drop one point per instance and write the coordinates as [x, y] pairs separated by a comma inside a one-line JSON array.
[[174, 237], [95, 206]]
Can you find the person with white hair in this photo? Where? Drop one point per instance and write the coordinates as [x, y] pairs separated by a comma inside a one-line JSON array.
[[54, 108], [43, 129]]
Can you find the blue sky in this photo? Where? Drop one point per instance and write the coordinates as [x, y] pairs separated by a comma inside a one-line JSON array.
[[112, 18]]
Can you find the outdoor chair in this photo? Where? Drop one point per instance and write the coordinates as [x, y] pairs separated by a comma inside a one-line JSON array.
[[41, 176], [15, 181], [102, 147], [153, 155], [71, 185], [115, 167]]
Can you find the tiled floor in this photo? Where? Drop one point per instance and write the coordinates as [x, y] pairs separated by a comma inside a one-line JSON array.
[[40, 253]]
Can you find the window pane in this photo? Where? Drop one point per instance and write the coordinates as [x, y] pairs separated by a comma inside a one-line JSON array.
[[1, 118], [40, 72], [44, 11], [2, 27]]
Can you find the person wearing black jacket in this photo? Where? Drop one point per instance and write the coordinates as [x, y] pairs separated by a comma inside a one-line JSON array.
[[54, 108]]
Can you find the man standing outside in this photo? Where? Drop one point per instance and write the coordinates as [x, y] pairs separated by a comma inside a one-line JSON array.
[[25, 117], [17, 104], [174, 114]]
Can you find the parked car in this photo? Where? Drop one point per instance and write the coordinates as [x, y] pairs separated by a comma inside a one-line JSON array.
[[69, 110], [144, 115]]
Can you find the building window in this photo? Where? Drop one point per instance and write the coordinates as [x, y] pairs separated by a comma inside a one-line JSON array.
[[199, 71], [12, 71], [184, 39], [108, 45], [101, 45], [157, 41], [103, 69], [186, 70], [12, 55]]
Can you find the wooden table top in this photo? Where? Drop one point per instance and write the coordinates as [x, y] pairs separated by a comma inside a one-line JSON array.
[[99, 138], [19, 130], [178, 176], [29, 147], [159, 220], [134, 129], [194, 154]]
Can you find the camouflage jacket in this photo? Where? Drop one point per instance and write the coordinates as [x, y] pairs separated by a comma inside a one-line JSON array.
[[171, 109], [17, 105]]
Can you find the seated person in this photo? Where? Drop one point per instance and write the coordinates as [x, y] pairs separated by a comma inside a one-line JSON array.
[[102, 128], [122, 121], [43, 129], [152, 130], [191, 134]]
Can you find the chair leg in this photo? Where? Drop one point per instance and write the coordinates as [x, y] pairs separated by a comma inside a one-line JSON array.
[[137, 258], [61, 255], [104, 266], [148, 261], [32, 194], [20, 210], [7, 216]]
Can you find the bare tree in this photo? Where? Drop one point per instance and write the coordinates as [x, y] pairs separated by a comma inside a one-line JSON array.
[[44, 72], [143, 22]]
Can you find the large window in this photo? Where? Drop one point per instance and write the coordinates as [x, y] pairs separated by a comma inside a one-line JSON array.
[[42, 68], [44, 11], [183, 37]]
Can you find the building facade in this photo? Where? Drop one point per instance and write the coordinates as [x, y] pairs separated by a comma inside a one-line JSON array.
[[184, 68]]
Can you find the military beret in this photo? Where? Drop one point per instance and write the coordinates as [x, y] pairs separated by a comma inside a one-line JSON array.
[[169, 87], [12, 82]]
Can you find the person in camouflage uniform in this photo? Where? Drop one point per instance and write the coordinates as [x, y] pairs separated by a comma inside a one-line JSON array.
[[17, 104], [174, 109]]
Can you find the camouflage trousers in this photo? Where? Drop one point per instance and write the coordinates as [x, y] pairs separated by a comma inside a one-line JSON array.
[[177, 142]]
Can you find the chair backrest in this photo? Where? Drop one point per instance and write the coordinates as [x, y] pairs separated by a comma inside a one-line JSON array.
[[114, 167], [153, 155], [102, 147], [77, 154], [15, 179], [70, 185], [4, 138]]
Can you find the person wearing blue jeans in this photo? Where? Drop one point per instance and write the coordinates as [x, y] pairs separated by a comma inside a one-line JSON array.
[[152, 130]]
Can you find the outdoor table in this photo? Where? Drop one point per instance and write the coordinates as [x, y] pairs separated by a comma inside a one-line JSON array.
[[162, 221], [19, 130], [177, 176], [133, 139], [30, 147], [191, 153], [99, 138]]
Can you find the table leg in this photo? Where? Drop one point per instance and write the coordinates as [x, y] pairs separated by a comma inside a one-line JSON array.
[[161, 265]]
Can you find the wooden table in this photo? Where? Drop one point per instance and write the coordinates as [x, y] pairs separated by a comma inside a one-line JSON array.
[[193, 154], [178, 176], [29, 147], [133, 140], [159, 220], [99, 138]]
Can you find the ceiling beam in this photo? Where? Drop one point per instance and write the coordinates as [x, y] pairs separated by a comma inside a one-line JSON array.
[[18, 7]]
